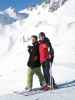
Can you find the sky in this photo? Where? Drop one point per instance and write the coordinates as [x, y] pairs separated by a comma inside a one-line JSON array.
[[18, 4]]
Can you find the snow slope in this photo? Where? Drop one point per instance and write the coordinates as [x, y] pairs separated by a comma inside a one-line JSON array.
[[59, 27], [64, 94]]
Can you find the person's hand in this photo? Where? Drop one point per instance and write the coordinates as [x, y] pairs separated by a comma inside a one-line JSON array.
[[29, 49], [35, 58], [50, 56]]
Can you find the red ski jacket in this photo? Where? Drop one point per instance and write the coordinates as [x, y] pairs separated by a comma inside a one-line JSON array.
[[43, 50]]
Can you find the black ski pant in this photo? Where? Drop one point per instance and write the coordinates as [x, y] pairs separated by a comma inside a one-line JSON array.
[[46, 66]]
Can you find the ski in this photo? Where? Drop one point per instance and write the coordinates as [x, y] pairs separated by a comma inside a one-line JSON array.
[[29, 93]]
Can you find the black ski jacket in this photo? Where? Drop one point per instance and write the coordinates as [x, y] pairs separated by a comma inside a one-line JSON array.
[[34, 59]]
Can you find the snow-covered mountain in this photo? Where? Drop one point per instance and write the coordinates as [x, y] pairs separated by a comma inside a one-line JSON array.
[[59, 26]]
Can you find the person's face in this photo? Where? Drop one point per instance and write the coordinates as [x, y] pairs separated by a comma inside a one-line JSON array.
[[33, 40], [41, 37]]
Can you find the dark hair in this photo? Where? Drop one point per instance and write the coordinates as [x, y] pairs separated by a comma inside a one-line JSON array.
[[34, 36]]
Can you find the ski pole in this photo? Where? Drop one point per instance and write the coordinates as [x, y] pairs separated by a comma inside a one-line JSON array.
[[51, 77]]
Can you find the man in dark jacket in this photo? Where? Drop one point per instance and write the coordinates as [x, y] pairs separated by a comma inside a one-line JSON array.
[[46, 59], [34, 65]]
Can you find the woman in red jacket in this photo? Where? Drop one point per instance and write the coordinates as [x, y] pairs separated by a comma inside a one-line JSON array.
[[46, 58]]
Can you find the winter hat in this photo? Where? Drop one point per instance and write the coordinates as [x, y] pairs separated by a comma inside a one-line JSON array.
[[42, 34]]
